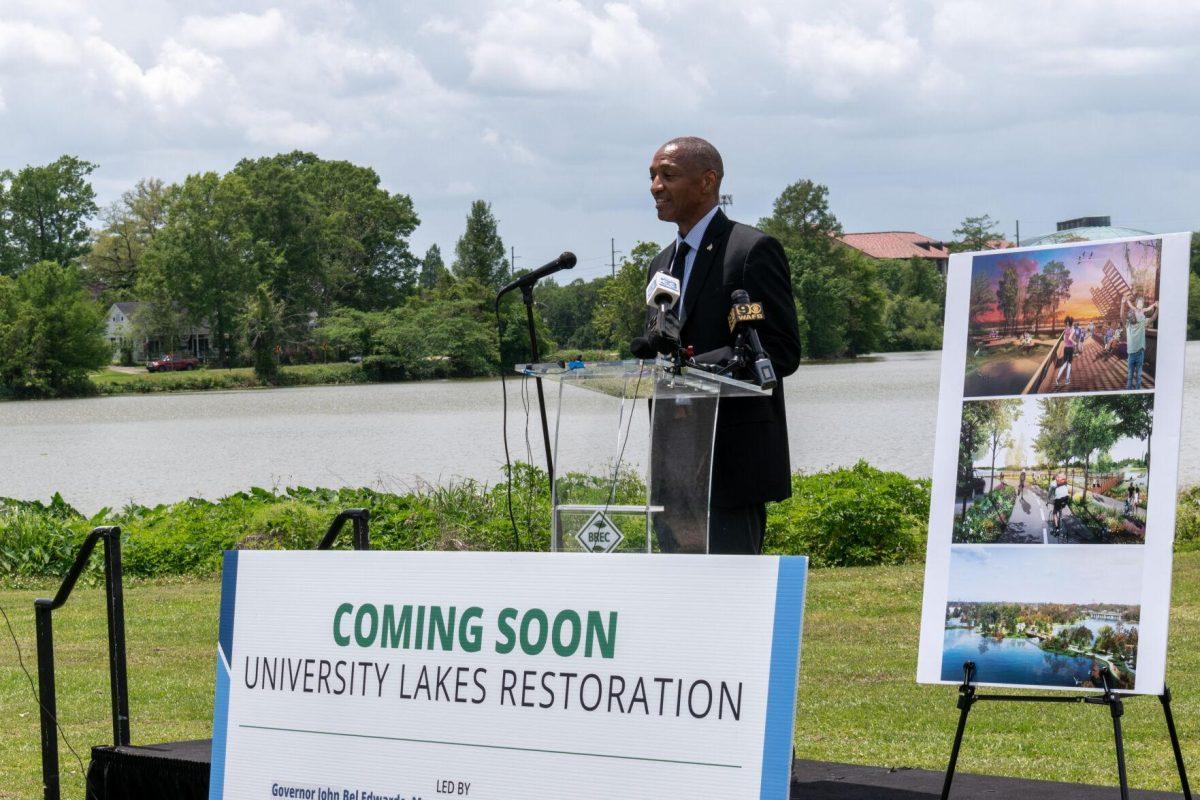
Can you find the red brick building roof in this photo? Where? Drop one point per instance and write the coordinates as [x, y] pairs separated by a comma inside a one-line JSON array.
[[896, 244]]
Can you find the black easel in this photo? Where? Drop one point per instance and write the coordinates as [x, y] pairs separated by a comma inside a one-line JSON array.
[[967, 697], [527, 294]]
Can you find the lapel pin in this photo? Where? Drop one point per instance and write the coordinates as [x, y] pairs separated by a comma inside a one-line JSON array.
[[709, 248]]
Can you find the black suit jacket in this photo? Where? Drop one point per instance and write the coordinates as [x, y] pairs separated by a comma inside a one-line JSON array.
[[750, 457]]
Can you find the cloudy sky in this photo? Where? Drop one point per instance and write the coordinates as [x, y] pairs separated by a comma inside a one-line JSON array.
[[915, 114], [1046, 574]]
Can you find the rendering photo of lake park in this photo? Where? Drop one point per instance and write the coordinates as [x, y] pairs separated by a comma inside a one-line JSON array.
[[1019, 338], [1048, 635], [1054, 470]]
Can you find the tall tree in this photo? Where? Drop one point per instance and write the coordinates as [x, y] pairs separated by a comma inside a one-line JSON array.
[[433, 268], [620, 314], [129, 224], [1008, 290], [263, 332], [342, 240], [801, 220], [1038, 294], [45, 213], [975, 233], [1094, 427], [51, 333], [996, 427], [983, 299], [205, 260], [1058, 287], [479, 253], [1136, 417]]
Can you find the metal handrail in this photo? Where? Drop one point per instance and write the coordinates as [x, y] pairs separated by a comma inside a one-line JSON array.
[[362, 537], [117, 666], [43, 609]]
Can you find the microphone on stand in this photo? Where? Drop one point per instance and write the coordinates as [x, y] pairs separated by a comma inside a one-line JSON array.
[[743, 316], [662, 294], [564, 261]]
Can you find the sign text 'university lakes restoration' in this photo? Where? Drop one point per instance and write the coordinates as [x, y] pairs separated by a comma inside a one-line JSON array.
[[363, 676]]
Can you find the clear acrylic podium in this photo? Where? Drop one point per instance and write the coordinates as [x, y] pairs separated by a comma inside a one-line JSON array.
[[628, 479]]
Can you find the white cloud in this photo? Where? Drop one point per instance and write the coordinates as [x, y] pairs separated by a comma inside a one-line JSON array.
[[508, 147], [235, 31], [544, 46], [24, 44], [912, 112], [179, 77], [838, 57]]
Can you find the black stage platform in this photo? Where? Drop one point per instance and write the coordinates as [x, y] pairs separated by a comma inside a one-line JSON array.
[[179, 770]]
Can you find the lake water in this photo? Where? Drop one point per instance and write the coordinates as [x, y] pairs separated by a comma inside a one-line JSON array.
[[162, 448], [1014, 661]]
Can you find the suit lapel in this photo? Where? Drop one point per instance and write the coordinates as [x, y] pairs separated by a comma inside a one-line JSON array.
[[718, 226]]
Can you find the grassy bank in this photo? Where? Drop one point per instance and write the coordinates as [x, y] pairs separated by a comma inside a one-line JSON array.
[[858, 701], [109, 381], [854, 516]]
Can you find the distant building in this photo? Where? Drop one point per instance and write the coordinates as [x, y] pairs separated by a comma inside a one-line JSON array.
[[1084, 229], [119, 330], [899, 245]]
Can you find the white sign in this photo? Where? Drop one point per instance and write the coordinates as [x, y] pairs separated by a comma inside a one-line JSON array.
[[496, 676], [599, 535], [1053, 508]]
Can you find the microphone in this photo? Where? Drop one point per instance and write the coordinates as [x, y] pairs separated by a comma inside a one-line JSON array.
[[641, 348], [743, 316], [662, 292], [565, 261]]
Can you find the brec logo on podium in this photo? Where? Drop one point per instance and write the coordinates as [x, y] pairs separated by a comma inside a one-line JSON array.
[[599, 534]]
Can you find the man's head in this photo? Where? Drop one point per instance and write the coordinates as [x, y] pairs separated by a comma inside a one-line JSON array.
[[1139, 301], [685, 180]]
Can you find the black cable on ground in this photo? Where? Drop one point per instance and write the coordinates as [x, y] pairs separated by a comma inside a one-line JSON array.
[[37, 698], [504, 425]]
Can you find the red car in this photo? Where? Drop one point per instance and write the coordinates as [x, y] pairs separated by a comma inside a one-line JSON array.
[[172, 363]]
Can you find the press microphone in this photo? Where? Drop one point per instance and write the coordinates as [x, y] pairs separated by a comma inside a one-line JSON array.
[[743, 315], [565, 261], [662, 292], [641, 348]]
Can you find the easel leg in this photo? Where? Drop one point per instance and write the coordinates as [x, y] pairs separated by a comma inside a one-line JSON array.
[[1117, 708], [1165, 699], [966, 699]]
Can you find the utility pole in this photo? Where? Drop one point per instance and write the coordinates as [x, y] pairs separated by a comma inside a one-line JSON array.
[[725, 200], [1018, 233], [512, 262], [613, 244]]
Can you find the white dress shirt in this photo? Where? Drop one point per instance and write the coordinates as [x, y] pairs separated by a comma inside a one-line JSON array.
[[693, 239]]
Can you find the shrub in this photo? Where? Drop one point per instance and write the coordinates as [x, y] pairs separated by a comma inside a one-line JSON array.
[[1187, 520], [851, 517]]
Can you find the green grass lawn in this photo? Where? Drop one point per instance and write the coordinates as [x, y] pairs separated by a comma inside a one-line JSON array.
[[858, 701]]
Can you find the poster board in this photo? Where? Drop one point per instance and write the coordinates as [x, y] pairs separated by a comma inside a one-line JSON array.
[[410, 676], [1054, 488]]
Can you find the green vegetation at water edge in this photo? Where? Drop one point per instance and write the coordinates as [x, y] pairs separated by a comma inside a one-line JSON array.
[[853, 516], [110, 381], [858, 701]]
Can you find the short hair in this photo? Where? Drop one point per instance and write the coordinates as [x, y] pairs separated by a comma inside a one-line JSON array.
[[701, 153]]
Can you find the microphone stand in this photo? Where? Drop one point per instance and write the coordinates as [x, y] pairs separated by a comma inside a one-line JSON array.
[[527, 294]]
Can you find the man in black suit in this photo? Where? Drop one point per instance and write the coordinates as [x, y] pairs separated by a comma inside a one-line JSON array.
[[712, 256]]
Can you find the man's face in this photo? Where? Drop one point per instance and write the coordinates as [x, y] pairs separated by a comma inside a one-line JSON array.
[[681, 191]]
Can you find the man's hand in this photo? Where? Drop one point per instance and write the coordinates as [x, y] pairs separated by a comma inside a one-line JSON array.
[[665, 337]]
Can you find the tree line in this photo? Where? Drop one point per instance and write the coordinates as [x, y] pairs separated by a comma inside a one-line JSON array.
[[294, 258]]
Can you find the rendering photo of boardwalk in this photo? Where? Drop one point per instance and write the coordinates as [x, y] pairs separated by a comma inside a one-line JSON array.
[[1076, 318], [1054, 470], [1042, 634]]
